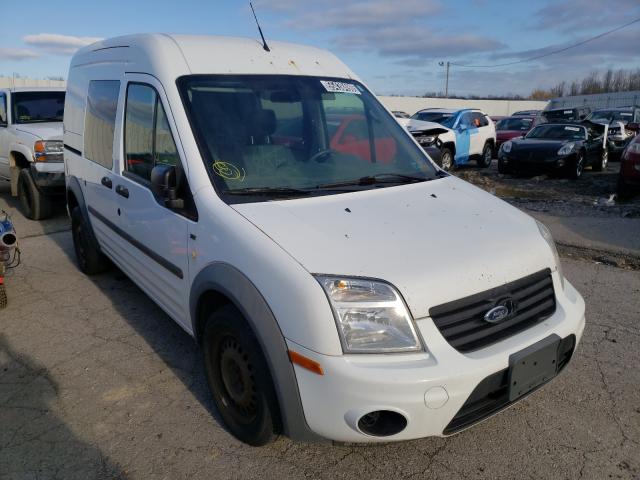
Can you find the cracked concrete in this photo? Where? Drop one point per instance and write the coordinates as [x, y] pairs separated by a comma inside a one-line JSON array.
[[97, 383]]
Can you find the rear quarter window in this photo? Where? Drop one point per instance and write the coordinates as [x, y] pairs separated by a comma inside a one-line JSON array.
[[100, 119]]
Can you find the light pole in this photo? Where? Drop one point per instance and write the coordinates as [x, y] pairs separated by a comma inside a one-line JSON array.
[[446, 84]]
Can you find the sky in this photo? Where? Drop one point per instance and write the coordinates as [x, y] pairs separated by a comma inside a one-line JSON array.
[[394, 46]]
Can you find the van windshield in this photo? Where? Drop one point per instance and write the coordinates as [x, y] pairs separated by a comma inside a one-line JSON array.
[[279, 136], [33, 107]]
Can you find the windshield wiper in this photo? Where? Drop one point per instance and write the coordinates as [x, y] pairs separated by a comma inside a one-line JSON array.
[[277, 191], [376, 179]]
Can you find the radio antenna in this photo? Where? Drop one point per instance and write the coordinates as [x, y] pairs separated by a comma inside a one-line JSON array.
[[264, 42]]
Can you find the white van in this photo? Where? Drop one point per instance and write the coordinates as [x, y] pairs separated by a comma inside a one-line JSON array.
[[341, 285]]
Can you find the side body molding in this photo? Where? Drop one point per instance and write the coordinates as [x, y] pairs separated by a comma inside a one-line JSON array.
[[229, 281]]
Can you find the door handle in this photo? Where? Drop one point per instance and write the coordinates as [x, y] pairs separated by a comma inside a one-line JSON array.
[[120, 190], [106, 181]]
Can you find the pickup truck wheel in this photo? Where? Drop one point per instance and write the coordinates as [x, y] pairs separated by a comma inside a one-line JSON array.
[[35, 205], [91, 260], [487, 154], [446, 159], [239, 378], [602, 163]]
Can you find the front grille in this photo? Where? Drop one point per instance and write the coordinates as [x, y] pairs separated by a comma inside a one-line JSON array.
[[492, 394], [462, 322]]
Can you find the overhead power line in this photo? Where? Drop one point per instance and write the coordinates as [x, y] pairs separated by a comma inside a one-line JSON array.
[[536, 57]]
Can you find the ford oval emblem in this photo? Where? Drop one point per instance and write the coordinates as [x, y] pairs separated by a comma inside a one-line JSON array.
[[503, 310]]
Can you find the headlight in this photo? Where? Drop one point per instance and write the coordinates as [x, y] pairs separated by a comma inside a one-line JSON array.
[[506, 147], [546, 234], [425, 140], [48, 151], [370, 315], [566, 149]]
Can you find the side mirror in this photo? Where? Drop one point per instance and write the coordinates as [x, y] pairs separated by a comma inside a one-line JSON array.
[[164, 185]]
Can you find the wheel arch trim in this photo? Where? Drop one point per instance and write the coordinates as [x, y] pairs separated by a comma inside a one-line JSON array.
[[224, 279]]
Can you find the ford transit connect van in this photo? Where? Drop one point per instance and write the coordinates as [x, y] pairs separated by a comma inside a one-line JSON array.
[[340, 284]]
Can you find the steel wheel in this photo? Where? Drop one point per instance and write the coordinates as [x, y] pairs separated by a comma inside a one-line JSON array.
[[238, 380]]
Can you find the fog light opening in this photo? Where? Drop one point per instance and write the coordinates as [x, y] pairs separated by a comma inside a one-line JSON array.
[[382, 423]]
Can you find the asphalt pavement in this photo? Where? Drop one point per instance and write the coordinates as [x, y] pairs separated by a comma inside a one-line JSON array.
[[96, 382]]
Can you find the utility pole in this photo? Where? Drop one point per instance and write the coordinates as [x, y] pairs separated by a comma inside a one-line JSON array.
[[446, 84]]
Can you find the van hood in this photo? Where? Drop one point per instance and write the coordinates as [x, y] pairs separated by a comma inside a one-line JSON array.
[[43, 131], [436, 241]]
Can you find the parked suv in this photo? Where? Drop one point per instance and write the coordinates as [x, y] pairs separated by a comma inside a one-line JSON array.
[[31, 146], [307, 264], [471, 134]]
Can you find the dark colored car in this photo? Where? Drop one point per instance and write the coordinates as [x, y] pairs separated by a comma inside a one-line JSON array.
[[623, 126], [569, 115], [512, 127], [556, 148], [629, 177]]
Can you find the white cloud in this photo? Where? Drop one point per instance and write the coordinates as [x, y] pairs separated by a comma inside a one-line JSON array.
[[58, 44], [16, 54]]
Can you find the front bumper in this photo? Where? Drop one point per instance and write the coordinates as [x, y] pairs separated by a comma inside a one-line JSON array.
[[522, 163], [428, 389], [48, 177]]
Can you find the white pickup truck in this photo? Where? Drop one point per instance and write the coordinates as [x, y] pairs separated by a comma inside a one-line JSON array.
[[31, 148]]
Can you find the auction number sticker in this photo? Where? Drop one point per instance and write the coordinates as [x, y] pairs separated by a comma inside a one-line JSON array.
[[568, 111], [573, 129], [339, 87]]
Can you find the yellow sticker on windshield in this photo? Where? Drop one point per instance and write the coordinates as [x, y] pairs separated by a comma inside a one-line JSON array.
[[228, 171]]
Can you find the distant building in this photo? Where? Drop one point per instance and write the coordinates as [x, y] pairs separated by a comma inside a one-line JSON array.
[[8, 82]]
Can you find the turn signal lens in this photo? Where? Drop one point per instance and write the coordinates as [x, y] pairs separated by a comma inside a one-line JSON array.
[[305, 362]]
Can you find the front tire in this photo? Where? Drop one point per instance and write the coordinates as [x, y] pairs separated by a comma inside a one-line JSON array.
[[487, 155], [239, 378], [35, 205], [91, 260], [602, 163], [503, 168], [446, 159]]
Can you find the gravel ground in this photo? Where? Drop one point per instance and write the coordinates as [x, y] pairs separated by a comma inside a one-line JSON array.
[[97, 383], [594, 194]]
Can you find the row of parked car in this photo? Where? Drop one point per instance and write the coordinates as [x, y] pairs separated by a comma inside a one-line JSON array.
[[557, 141]]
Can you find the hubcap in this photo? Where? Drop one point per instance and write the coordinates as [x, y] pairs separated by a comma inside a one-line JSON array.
[[487, 156]]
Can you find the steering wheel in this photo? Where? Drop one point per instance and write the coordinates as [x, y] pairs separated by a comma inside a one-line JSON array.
[[318, 155]]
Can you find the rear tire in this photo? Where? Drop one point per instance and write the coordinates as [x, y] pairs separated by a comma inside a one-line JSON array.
[[35, 205], [577, 167], [91, 260], [487, 155], [239, 378], [446, 159]]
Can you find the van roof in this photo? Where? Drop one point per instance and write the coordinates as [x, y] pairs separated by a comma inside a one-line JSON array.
[[208, 54]]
